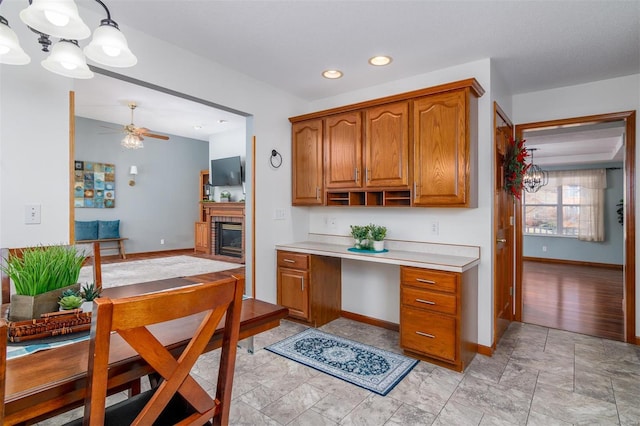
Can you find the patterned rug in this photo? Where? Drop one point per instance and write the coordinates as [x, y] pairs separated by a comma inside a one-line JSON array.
[[371, 368]]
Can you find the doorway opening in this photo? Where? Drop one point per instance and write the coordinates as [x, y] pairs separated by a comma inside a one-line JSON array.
[[628, 118]]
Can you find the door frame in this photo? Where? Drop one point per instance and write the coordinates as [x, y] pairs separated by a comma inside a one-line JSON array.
[[629, 117]]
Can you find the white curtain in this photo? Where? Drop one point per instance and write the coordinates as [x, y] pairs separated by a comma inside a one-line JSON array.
[[592, 183]]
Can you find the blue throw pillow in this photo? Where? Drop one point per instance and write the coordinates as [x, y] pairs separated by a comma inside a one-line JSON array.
[[86, 230], [108, 229]]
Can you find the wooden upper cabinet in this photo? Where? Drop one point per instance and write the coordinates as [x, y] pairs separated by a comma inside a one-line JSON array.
[[441, 145], [307, 189], [386, 147], [343, 150]]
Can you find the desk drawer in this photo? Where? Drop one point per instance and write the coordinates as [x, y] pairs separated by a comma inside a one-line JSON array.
[[429, 279], [428, 333], [430, 300], [289, 259]]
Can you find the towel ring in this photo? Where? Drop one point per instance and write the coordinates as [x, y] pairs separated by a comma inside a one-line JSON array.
[[276, 159]]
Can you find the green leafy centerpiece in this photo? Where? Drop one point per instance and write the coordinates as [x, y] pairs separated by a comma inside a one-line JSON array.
[[40, 276], [377, 234], [360, 234], [368, 237]]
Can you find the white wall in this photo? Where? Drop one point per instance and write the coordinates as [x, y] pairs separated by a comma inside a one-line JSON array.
[[600, 97], [229, 144]]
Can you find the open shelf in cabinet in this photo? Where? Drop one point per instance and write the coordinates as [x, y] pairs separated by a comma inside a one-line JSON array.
[[380, 198]]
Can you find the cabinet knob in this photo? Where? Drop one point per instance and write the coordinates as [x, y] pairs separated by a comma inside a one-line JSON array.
[[501, 240]]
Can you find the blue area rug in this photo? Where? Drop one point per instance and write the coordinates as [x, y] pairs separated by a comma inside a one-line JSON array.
[[371, 368]]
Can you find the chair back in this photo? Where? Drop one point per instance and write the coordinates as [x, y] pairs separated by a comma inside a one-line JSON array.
[[140, 321], [3, 364], [90, 250]]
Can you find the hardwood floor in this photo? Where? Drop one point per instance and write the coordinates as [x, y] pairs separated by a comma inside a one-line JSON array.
[[582, 299], [153, 255]]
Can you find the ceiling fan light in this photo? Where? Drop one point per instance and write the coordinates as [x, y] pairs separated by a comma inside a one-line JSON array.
[[10, 51], [67, 59], [57, 18], [131, 141], [109, 47]]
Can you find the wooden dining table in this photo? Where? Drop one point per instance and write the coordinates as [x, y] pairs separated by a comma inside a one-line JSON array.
[[46, 383]]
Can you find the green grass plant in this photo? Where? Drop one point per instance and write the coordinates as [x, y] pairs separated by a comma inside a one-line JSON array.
[[41, 269]]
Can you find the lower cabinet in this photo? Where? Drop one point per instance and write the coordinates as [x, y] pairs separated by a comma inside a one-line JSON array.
[[310, 287], [202, 237], [438, 315]]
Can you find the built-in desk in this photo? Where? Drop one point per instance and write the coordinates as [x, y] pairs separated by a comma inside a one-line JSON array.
[[438, 292]]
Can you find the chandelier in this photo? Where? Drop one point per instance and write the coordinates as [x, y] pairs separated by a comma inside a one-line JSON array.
[[534, 178], [132, 141], [60, 19]]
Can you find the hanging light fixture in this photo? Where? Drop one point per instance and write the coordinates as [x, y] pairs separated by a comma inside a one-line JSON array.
[[60, 18], [132, 141], [534, 178]]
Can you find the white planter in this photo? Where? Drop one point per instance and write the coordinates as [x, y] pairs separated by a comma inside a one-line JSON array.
[[87, 306], [378, 245], [362, 244]]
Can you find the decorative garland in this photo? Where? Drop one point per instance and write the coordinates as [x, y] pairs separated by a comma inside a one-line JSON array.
[[515, 167]]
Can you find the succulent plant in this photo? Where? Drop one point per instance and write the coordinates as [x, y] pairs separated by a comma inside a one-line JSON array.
[[90, 292], [70, 302], [69, 292]]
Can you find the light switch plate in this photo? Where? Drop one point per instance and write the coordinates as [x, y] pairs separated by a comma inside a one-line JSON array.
[[32, 214]]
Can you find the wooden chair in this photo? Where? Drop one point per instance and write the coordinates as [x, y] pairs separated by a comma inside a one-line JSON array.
[[178, 398], [90, 250], [3, 364]]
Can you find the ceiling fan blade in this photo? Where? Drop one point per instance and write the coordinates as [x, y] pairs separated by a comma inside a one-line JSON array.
[[153, 135]]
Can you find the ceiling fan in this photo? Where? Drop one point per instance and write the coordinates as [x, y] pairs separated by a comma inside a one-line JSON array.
[[140, 132]]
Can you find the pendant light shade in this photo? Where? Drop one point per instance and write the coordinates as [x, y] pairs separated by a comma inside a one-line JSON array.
[[109, 46], [67, 59], [57, 18], [10, 51], [131, 141], [534, 178]]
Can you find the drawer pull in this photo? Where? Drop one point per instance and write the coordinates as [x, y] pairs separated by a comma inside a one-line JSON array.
[[422, 280], [302, 284], [428, 302], [288, 260], [430, 336]]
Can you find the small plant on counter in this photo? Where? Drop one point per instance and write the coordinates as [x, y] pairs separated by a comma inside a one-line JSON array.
[[377, 232], [360, 234]]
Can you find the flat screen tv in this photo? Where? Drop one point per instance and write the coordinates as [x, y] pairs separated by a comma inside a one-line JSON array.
[[226, 171]]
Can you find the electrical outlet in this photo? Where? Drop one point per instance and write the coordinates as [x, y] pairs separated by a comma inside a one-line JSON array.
[[162, 241], [544, 248], [434, 228], [279, 214]]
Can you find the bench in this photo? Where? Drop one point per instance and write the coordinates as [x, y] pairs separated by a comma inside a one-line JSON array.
[[100, 232], [119, 246]]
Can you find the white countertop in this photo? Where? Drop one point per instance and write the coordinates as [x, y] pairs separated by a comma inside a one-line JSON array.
[[428, 258]]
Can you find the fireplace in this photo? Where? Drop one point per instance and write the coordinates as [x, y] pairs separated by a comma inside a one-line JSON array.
[[229, 239]]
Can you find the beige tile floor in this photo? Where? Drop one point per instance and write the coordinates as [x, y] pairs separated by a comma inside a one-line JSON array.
[[537, 376]]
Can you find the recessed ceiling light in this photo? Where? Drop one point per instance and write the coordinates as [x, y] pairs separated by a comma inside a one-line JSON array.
[[222, 121], [332, 74], [380, 60], [197, 127]]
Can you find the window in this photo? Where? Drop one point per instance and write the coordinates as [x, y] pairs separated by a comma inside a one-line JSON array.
[[553, 210], [571, 205]]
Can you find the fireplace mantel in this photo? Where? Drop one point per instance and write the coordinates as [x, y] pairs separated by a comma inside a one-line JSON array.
[[224, 209]]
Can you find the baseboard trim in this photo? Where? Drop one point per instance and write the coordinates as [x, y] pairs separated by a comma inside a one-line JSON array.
[[574, 262], [371, 321], [485, 350]]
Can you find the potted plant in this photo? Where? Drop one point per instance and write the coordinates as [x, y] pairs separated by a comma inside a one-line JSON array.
[[70, 299], [89, 293], [225, 196], [40, 275], [377, 233], [360, 234]]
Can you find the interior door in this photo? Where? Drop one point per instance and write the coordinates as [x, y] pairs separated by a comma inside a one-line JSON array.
[[503, 230]]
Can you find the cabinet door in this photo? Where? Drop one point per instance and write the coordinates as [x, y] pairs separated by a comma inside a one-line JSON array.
[[307, 163], [203, 231], [386, 148], [343, 150], [293, 291], [441, 150]]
